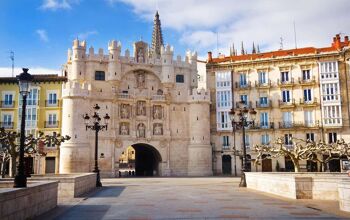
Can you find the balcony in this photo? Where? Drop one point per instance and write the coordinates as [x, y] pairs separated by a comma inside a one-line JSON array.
[[288, 83], [52, 103], [267, 105], [7, 125], [226, 147], [260, 126], [7, 104], [311, 103], [124, 96], [290, 104], [241, 86], [51, 124], [261, 85], [299, 125], [158, 97], [307, 82], [246, 105]]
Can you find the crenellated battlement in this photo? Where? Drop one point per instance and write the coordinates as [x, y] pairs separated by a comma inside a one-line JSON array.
[[114, 48], [201, 95], [167, 50], [75, 89]]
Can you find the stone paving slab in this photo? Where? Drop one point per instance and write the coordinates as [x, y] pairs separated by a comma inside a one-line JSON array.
[[189, 198]]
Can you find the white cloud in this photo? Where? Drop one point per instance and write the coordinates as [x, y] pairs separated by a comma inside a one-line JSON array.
[[58, 4], [7, 72], [42, 35], [85, 35], [263, 22]]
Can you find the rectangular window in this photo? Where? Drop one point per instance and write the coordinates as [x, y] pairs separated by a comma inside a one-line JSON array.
[[8, 99], [284, 76], [307, 95], [308, 116], [310, 136], [287, 119], [180, 78], [263, 101], [286, 96], [306, 75], [243, 79], [244, 98], [225, 142], [52, 120], [52, 99], [100, 75], [264, 120], [288, 139], [265, 139], [332, 137], [7, 121], [262, 78], [247, 143]]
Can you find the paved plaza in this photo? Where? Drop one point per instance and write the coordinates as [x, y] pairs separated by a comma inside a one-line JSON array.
[[188, 198]]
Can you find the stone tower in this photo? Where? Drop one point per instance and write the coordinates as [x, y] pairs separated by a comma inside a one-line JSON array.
[[157, 37]]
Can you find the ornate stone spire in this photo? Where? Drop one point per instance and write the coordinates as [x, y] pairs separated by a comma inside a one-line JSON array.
[[157, 36], [254, 49]]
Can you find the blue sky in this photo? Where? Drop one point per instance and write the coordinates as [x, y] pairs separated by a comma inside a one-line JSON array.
[[41, 31]]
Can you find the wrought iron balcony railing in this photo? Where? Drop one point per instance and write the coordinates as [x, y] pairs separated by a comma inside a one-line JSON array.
[[51, 124], [7, 104]]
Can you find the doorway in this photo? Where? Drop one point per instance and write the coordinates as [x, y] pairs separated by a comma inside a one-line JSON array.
[[226, 165]]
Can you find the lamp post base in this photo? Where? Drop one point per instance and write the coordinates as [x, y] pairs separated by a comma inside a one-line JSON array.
[[98, 179], [20, 181], [243, 182]]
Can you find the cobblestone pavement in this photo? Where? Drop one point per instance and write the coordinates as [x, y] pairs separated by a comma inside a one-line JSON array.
[[189, 198]]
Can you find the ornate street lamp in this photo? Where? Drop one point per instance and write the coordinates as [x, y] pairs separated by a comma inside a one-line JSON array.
[[97, 127], [241, 122], [24, 83]]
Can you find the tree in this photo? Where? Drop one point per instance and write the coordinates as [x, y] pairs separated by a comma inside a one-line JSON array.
[[9, 146], [303, 150]]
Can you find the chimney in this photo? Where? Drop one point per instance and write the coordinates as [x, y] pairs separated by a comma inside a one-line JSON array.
[[336, 42], [210, 57]]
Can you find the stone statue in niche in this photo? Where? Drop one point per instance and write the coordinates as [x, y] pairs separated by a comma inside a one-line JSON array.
[[141, 108], [141, 131], [141, 80], [124, 129], [124, 111], [140, 56], [157, 112], [158, 129]]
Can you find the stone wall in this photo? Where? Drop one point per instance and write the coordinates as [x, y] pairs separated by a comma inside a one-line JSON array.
[[71, 185], [344, 195], [321, 186], [26, 203]]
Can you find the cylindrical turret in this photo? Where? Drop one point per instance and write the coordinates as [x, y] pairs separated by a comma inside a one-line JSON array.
[[114, 66], [168, 75], [78, 70], [75, 153], [199, 149]]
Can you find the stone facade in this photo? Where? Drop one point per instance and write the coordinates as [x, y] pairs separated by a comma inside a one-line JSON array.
[[152, 99]]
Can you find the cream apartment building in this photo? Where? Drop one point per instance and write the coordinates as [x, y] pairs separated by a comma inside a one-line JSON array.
[[300, 93]]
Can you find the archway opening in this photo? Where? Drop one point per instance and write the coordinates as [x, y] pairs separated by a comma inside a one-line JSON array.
[[140, 160]]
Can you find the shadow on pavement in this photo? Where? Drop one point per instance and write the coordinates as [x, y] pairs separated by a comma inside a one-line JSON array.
[[107, 191], [82, 211]]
